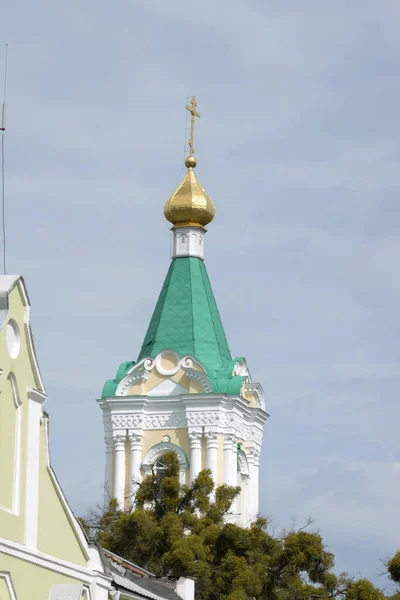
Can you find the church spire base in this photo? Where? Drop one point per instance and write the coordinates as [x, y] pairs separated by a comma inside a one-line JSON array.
[[188, 241]]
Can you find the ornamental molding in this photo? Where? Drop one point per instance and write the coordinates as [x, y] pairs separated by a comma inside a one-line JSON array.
[[126, 421], [107, 422], [201, 378], [129, 381], [256, 435], [109, 444], [257, 391], [139, 373], [195, 438], [240, 369], [237, 424], [229, 441], [186, 362], [253, 454], [211, 438], [203, 418], [154, 421], [159, 449], [119, 442], [229, 419], [243, 464], [164, 421], [135, 440]]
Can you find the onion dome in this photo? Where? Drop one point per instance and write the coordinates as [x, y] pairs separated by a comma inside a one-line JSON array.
[[189, 205]]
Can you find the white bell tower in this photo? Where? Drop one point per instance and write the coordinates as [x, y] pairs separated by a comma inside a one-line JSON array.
[[185, 392]]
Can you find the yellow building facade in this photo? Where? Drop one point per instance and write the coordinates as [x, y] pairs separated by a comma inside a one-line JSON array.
[[43, 551], [44, 554]]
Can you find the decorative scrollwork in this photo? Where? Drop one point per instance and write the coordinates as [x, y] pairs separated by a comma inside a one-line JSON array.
[[200, 377]]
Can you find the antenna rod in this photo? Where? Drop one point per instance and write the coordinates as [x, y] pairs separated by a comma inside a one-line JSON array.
[[3, 117], [2, 129]]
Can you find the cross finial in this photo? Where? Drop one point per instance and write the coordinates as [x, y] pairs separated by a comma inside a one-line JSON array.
[[193, 115]]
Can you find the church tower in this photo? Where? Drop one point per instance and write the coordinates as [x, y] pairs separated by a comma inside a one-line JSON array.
[[185, 392]]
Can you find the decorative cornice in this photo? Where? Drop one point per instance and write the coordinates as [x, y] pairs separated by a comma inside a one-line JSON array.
[[237, 423], [155, 421], [203, 418], [126, 421]]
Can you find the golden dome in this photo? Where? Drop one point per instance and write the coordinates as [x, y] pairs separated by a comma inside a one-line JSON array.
[[189, 204]]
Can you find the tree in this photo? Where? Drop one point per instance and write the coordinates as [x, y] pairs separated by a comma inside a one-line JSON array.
[[393, 566], [177, 530]]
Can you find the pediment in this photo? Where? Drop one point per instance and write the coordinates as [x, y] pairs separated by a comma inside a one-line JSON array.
[[165, 375]]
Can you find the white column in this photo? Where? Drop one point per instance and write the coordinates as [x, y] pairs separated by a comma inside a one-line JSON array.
[[245, 519], [212, 454], [135, 439], [195, 453], [250, 486], [256, 480], [230, 467], [108, 482], [236, 481], [253, 459], [119, 469]]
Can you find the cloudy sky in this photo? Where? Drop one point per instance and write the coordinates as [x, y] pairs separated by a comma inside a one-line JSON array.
[[298, 145]]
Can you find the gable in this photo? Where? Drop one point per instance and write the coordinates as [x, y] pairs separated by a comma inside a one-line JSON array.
[[32, 506], [166, 375]]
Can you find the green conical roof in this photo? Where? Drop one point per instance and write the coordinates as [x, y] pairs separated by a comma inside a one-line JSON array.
[[186, 317]]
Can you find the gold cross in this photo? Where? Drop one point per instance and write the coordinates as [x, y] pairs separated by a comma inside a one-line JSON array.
[[193, 114]]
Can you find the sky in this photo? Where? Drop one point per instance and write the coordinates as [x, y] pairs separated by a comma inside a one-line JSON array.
[[298, 146]]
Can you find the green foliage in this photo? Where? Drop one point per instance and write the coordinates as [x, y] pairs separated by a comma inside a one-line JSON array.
[[177, 530], [393, 566], [363, 590]]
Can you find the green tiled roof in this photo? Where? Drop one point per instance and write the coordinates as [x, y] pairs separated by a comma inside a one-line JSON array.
[[186, 317]]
